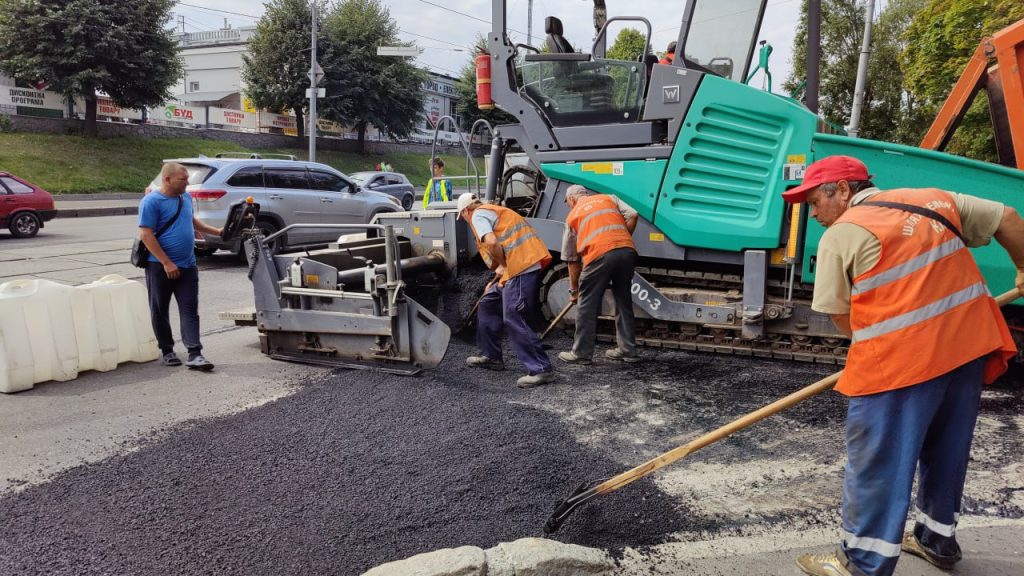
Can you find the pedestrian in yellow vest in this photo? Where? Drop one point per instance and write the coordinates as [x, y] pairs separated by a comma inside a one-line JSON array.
[[439, 188], [895, 274]]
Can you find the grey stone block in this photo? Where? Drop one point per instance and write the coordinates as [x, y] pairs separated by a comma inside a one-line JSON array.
[[542, 557], [462, 561]]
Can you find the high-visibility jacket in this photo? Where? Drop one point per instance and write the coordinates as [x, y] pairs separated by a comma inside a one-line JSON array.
[[666, 60], [599, 227], [923, 309], [523, 248], [439, 193]]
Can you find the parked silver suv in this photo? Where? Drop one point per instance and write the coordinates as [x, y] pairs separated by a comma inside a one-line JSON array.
[[288, 192]]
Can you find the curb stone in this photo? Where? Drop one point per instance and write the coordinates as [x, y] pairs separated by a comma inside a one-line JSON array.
[[83, 212], [524, 557]]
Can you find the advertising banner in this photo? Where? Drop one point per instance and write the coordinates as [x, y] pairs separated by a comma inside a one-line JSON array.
[[177, 114], [106, 107], [285, 123], [233, 119], [30, 97]]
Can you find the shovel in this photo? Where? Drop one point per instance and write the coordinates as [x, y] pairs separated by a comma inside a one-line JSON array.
[[587, 492], [558, 319], [467, 322]]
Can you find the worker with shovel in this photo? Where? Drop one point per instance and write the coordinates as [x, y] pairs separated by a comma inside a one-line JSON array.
[[895, 274], [511, 248], [599, 229]]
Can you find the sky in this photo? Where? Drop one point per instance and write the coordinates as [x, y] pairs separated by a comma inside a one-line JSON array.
[[446, 29]]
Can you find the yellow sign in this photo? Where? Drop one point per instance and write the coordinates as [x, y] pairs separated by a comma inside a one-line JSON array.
[[312, 280], [247, 105], [796, 159], [657, 237], [416, 230], [597, 167]]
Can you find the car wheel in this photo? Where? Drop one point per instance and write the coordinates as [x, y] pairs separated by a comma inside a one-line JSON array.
[[24, 224], [267, 228], [407, 201]]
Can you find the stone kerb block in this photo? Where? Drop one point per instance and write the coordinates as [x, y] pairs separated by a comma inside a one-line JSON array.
[[462, 561], [543, 557]]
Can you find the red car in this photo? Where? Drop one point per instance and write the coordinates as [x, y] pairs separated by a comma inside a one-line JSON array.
[[23, 206]]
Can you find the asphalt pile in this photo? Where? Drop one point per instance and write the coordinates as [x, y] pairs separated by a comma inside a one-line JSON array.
[[352, 471]]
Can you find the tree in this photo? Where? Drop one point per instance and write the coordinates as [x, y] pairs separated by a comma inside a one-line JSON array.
[[276, 67], [629, 45], [365, 89], [81, 47], [465, 88], [945, 35]]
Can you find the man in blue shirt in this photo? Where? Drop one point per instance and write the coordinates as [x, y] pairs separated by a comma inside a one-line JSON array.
[[172, 264]]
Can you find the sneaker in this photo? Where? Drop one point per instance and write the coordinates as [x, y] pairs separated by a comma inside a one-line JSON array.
[[198, 362], [537, 379], [830, 564], [618, 354], [572, 358], [170, 359], [912, 546], [485, 362]]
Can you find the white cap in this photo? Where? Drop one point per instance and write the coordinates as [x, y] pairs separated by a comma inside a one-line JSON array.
[[465, 200]]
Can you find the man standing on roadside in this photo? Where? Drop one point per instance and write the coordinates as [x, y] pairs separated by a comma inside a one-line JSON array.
[[599, 230], [895, 273], [511, 248], [439, 188], [172, 266]]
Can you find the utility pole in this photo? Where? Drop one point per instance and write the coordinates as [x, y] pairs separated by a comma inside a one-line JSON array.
[[813, 54], [313, 81], [862, 71], [529, 23]]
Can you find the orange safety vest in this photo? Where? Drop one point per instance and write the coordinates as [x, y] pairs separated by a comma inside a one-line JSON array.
[[523, 248], [667, 60], [923, 309], [599, 227]]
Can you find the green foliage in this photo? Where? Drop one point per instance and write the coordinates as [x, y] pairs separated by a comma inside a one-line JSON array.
[[5, 124], [277, 63], [365, 89], [465, 88], [80, 47], [629, 45], [944, 36], [72, 164]]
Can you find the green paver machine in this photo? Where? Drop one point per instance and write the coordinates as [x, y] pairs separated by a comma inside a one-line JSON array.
[[725, 265]]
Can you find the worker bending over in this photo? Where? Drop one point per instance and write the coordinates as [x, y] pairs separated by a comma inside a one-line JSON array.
[[895, 274], [599, 230], [511, 248]]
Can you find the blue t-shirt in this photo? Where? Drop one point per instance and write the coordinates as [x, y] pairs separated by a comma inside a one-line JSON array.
[[178, 241]]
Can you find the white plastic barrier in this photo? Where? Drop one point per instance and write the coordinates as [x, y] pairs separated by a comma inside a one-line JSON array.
[[50, 331]]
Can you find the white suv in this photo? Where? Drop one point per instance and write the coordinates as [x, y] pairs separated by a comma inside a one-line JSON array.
[[288, 192]]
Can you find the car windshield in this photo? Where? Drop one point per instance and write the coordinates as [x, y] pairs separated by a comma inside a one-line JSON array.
[[722, 35], [361, 177], [197, 174]]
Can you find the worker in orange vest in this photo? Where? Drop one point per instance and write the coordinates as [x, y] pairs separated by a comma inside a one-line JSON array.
[[513, 250], [670, 53], [895, 274], [599, 230]]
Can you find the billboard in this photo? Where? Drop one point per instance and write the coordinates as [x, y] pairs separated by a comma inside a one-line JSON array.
[[234, 119]]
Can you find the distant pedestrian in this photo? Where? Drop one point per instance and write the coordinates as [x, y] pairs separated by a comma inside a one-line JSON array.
[[670, 53], [439, 188], [172, 266], [511, 248], [895, 274], [599, 231]]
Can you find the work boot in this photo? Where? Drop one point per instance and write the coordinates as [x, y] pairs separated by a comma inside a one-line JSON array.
[[537, 379], [831, 564], [572, 358], [913, 546], [485, 362], [170, 359], [199, 362], [620, 355]]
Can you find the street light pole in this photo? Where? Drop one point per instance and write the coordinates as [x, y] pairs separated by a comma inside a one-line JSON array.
[[312, 91], [862, 71]]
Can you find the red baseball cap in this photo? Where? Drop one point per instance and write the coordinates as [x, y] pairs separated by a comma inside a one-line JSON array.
[[824, 171]]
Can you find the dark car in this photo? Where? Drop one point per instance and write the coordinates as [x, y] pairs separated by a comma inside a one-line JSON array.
[[24, 206], [391, 183]]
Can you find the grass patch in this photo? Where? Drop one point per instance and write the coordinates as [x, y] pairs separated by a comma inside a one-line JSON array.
[[76, 165]]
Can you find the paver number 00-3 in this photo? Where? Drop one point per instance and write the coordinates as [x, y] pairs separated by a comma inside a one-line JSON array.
[[643, 295]]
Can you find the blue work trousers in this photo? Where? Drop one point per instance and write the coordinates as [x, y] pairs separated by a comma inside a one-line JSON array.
[[185, 290], [926, 428], [505, 308]]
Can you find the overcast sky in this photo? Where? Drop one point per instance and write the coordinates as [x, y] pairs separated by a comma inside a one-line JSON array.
[[446, 29]]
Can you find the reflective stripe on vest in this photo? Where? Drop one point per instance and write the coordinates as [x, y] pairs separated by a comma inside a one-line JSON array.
[[923, 309], [599, 227], [428, 192], [522, 246]]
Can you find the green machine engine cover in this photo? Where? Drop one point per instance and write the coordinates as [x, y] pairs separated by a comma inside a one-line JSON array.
[[635, 182], [739, 148]]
